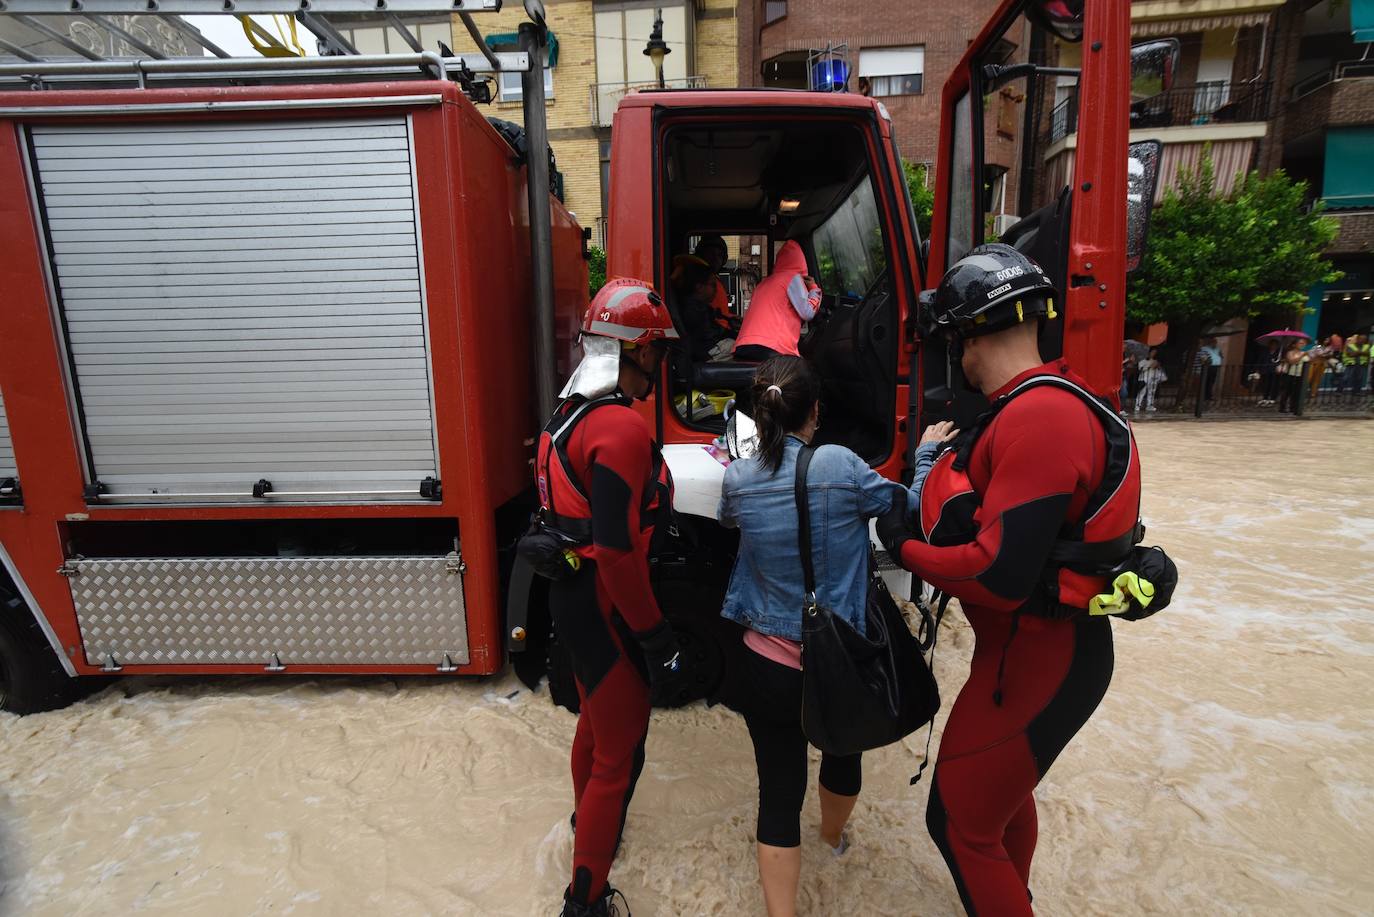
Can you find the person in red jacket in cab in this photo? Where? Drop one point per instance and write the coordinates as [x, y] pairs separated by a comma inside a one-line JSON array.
[[604, 487], [1022, 520], [781, 302]]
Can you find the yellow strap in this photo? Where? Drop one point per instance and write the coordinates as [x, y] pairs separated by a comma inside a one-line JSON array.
[[264, 43], [1125, 587], [294, 42]]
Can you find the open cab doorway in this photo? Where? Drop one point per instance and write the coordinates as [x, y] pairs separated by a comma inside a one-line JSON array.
[[827, 178]]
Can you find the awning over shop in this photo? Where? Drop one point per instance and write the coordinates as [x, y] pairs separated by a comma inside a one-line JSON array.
[[1178, 17], [1196, 24], [1362, 19], [508, 40]]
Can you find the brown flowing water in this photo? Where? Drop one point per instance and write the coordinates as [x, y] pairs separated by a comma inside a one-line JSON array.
[[1229, 771]]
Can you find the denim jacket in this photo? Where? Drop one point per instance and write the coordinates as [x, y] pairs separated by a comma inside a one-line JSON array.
[[766, 585]]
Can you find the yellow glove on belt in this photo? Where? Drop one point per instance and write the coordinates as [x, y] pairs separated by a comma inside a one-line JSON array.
[[1125, 588]]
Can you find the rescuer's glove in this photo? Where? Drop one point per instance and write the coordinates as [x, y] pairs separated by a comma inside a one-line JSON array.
[[894, 528], [668, 678]]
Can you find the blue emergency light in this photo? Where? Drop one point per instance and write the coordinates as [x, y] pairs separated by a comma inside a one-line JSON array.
[[830, 74]]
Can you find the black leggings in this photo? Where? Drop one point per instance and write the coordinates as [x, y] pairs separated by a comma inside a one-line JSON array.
[[1289, 386], [771, 705]]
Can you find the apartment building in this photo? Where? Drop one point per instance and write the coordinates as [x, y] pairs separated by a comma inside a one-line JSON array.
[[1325, 131], [901, 51], [1221, 98]]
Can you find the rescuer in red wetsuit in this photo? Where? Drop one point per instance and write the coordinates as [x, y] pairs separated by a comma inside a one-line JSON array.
[[602, 483], [1016, 521]]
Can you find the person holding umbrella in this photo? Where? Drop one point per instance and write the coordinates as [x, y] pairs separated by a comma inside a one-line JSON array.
[[1276, 370], [1291, 369]]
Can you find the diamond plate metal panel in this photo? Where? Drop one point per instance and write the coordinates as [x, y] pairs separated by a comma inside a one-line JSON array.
[[306, 610]]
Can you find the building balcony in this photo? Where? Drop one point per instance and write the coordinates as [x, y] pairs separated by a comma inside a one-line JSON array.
[[1357, 227], [605, 97], [1340, 97], [1198, 105]]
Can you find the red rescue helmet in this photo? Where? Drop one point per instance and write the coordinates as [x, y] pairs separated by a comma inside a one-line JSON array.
[[629, 310]]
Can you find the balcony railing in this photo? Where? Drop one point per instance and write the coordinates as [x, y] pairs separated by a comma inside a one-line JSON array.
[[1345, 70], [606, 96], [1181, 106]]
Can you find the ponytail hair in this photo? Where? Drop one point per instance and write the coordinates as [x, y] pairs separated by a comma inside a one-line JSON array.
[[785, 390]]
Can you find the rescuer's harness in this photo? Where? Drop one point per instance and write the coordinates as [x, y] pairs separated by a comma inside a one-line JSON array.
[[563, 523], [1104, 542]]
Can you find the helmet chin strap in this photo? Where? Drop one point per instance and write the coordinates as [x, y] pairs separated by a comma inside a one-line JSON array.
[[650, 378]]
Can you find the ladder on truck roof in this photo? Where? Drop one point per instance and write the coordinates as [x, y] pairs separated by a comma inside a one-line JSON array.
[[339, 61], [323, 18]]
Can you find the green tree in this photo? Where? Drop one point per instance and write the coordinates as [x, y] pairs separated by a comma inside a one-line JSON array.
[[1209, 258], [596, 269], [922, 196]]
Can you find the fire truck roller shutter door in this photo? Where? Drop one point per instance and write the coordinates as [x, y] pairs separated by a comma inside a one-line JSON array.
[[243, 301]]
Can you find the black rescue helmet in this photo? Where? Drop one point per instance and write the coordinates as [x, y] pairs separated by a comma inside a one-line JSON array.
[[991, 288]]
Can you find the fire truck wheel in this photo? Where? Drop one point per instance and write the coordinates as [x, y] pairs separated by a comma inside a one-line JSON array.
[[31, 678]]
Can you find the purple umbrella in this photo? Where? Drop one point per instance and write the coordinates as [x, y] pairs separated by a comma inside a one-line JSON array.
[[1281, 335]]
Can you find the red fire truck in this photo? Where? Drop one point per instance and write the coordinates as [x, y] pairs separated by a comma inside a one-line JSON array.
[[277, 333]]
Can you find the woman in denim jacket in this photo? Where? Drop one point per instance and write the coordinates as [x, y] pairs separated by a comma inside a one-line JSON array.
[[765, 596]]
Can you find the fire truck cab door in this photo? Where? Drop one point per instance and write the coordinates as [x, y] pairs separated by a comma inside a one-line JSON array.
[[1014, 168]]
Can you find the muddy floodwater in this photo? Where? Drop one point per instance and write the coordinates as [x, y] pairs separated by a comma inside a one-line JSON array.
[[1229, 771]]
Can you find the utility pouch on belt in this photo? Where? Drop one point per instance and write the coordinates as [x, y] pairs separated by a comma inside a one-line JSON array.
[[548, 551], [1141, 585]]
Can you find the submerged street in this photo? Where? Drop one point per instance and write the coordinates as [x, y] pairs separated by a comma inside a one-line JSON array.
[[1227, 772]]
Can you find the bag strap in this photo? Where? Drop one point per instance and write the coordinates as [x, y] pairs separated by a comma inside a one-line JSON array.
[[804, 523], [941, 600]]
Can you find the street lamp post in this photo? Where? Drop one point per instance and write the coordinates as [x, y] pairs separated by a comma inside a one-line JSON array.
[[657, 48]]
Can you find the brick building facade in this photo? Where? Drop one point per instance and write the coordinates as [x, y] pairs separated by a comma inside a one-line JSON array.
[[941, 30], [599, 58], [1323, 132]]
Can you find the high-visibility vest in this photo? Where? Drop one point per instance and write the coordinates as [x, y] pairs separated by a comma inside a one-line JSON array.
[[1356, 354]]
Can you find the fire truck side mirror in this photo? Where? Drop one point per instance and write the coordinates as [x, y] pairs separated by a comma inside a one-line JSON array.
[[1142, 175], [1153, 65], [1062, 17]]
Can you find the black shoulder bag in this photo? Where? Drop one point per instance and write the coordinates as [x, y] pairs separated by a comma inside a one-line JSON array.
[[859, 691]]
